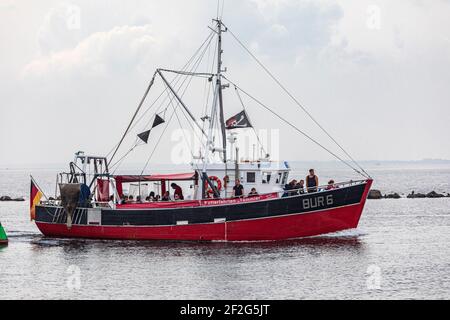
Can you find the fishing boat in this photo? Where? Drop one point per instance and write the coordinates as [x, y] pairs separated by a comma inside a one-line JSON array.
[[93, 199], [3, 236]]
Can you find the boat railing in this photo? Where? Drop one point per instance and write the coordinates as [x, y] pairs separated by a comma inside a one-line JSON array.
[[103, 204], [320, 188], [94, 204], [279, 194], [51, 202]]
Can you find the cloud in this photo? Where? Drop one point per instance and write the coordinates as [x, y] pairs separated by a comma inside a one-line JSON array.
[[284, 28], [121, 49], [353, 78], [61, 28]]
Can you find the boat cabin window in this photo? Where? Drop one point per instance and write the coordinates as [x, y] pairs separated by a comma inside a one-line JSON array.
[[266, 177], [251, 177]]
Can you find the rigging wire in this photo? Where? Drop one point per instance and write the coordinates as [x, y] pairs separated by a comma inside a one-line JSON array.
[[134, 116], [194, 66], [171, 97], [294, 127], [157, 143], [254, 130], [119, 162], [186, 140], [207, 88], [205, 111], [194, 69], [177, 78], [138, 142], [192, 127], [207, 40], [295, 100]]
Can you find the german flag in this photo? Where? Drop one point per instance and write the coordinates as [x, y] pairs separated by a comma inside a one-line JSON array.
[[35, 198]]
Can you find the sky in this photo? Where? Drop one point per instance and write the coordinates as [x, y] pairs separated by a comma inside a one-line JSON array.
[[375, 74]]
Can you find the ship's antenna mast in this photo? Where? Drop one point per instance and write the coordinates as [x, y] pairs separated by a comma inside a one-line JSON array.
[[217, 102], [220, 86]]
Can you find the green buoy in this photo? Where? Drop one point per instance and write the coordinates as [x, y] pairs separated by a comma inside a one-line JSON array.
[[3, 237]]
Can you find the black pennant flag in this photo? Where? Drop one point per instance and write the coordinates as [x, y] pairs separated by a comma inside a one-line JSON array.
[[158, 120], [240, 120], [144, 135]]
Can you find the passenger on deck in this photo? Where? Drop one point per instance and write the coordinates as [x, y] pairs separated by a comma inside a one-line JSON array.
[[238, 189], [331, 185], [166, 196], [111, 201], [312, 181], [151, 196], [300, 187], [253, 193], [130, 199], [157, 198], [288, 187], [178, 191], [138, 199]]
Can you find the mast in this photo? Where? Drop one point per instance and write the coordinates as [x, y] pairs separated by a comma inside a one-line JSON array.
[[220, 87], [217, 104], [209, 143]]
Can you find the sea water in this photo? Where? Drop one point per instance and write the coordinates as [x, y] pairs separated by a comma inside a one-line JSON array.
[[399, 251]]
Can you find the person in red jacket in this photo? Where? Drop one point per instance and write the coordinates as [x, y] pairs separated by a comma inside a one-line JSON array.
[[178, 193]]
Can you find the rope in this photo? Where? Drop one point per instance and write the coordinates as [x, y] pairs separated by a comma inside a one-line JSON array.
[[254, 130], [293, 126], [118, 162], [196, 64], [134, 116], [175, 80], [187, 141], [157, 143], [296, 101], [207, 40], [205, 110], [194, 68]]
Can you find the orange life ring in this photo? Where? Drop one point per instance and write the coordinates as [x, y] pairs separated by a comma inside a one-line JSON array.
[[217, 180]]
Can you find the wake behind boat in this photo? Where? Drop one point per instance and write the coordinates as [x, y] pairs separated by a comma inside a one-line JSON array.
[[92, 200]]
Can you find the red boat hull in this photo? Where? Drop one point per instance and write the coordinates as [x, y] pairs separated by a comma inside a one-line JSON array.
[[277, 228], [290, 226]]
